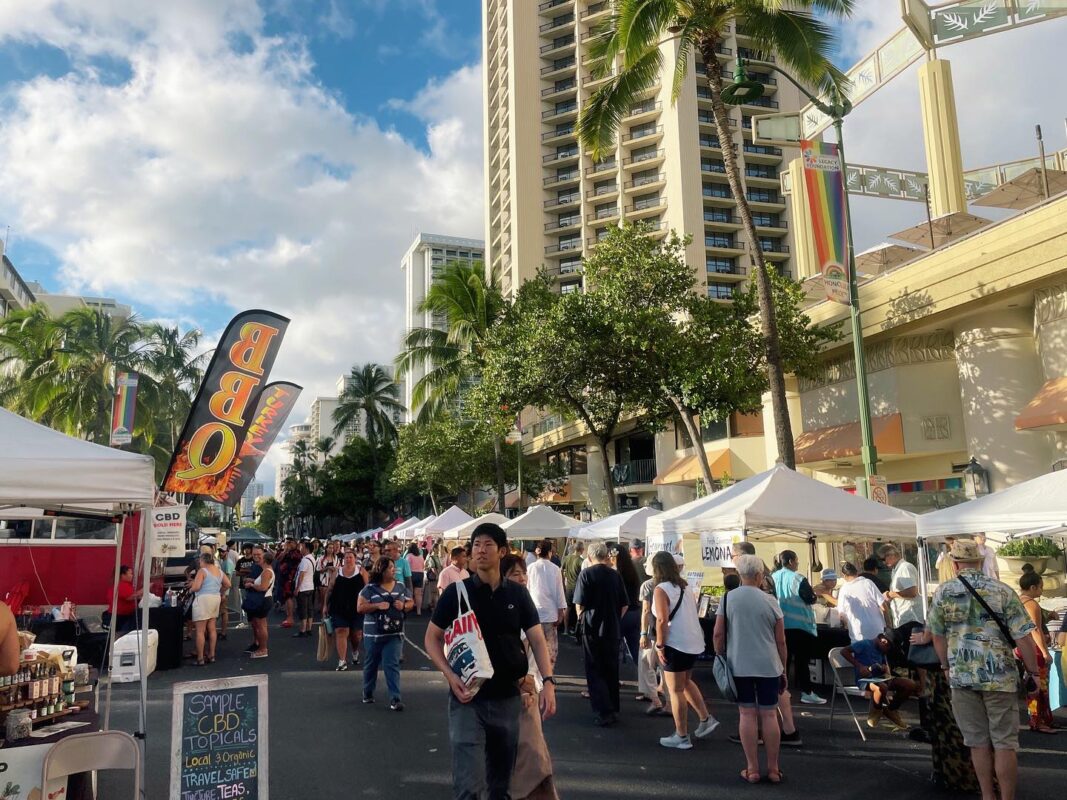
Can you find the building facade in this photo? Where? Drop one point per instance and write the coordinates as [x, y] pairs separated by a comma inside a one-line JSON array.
[[15, 293], [548, 202], [248, 500], [59, 304], [421, 264]]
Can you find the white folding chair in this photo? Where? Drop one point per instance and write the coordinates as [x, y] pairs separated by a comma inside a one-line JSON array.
[[845, 685], [88, 752]]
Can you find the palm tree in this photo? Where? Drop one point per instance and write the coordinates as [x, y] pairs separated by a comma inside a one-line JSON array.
[[452, 356], [325, 446], [172, 373], [637, 33], [371, 395]]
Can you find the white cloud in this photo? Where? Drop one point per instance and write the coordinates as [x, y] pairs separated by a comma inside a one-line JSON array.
[[222, 173], [1004, 85]]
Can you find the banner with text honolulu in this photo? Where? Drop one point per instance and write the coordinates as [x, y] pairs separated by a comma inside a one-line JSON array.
[[276, 401], [225, 405]]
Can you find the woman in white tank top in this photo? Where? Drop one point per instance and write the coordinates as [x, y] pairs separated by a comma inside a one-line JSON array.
[[679, 640]]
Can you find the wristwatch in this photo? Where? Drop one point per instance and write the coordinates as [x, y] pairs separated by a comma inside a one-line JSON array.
[[549, 679]]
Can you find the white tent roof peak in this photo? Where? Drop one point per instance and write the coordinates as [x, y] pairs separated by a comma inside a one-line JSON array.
[[1040, 503], [782, 504], [43, 468], [539, 521], [464, 530], [447, 519], [628, 523]]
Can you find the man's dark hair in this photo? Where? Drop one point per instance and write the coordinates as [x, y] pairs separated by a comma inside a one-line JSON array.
[[870, 564], [849, 569], [459, 551], [544, 548], [493, 531], [510, 562], [1029, 580], [746, 548], [124, 569], [732, 581]]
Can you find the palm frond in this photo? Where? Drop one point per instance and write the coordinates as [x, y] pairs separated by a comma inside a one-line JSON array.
[[602, 115]]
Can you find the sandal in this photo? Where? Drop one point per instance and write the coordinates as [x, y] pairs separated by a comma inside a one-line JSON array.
[[198, 663], [747, 777], [775, 776]]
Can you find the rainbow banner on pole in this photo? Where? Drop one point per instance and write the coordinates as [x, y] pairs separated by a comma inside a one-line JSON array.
[[826, 204], [123, 408]]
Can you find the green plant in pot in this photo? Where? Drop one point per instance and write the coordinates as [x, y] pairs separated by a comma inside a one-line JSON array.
[[1035, 551]]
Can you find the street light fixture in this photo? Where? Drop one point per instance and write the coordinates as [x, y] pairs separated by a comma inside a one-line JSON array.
[[586, 514], [975, 479], [745, 90]]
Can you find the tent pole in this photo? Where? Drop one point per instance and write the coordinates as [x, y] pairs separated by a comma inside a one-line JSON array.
[[146, 548], [114, 607], [924, 581]]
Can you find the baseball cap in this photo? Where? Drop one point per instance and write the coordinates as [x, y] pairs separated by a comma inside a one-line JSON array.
[[829, 575], [637, 544], [965, 550]]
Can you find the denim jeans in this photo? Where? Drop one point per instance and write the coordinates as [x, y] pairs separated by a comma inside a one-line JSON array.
[[485, 740], [384, 651]]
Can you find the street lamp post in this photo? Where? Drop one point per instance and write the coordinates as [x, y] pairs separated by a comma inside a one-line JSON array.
[[742, 90]]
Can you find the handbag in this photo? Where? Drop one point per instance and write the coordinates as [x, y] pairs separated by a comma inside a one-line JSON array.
[[1005, 632], [923, 656], [385, 623], [322, 652], [720, 667]]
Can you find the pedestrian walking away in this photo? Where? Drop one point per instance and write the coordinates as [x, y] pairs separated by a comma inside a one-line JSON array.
[[600, 602], [483, 723], [305, 590], [977, 622], [545, 583], [750, 629], [383, 602], [679, 640]]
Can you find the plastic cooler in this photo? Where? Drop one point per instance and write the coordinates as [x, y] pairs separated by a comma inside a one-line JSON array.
[[126, 655]]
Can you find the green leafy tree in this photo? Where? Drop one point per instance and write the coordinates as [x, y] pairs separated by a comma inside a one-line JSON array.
[[629, 51], [269, 514], [372, 397]]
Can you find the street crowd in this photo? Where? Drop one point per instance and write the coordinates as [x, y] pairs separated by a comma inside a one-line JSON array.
[[966, 662]]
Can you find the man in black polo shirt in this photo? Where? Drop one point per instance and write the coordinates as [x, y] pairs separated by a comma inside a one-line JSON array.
[[484, 726]]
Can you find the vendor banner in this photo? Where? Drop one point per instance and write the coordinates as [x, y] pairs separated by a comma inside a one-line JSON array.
[[663, 542], [829, 223], [223, 410], [167, 526], [123, 408], [276, 401], [716, 549]]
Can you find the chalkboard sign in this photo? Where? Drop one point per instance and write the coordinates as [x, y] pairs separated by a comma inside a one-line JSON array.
[[219, 740]]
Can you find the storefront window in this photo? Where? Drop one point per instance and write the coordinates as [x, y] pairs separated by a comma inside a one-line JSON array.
[[85, 529]]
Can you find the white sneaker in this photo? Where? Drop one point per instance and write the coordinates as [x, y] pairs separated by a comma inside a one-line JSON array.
[[812, 699], [706, 728], [677, 742]]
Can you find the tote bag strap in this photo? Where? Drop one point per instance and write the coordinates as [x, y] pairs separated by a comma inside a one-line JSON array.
[[462, 599]]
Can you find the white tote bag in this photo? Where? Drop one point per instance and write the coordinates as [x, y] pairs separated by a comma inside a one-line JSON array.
[[464, 646]]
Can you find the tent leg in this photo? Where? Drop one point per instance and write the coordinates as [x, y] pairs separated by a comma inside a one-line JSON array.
[[111, 628], [924, 581], [146, 549]]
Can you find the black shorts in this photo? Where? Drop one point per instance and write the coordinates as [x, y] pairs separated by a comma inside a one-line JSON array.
[[303, 604], [757, 692], [417, 579], [677, 661], [353, 622]]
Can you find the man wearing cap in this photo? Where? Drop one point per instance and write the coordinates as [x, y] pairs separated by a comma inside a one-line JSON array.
[[637, 553], [972, 619], [824, 589], [483, 725]]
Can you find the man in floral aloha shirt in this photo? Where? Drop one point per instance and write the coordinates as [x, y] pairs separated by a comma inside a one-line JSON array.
[[981, 665]]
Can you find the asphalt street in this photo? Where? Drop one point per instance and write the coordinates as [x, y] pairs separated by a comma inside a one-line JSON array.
[[325, 744]]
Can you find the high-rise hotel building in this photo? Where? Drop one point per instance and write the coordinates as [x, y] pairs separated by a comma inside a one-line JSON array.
[[548, 202]]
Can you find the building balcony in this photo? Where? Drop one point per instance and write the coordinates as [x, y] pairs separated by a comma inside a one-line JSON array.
[[721, 220], [558, 135], [724, 246], [603, 193], [722, 52], [763, 177], [643, 135], [569, 224], [550, 5], [564, 269], [604, 215], [765, 198], [774, 248], [644, 160], [560, 89], [557, 47], [601, 167], [705, 117], [708, 142], [755, 55], [769, 227], [563, 247], [633, 473], [592, 82], [562, 157], [556, 24], [717, 267], [560, 68], [13, 290], [718, 292], [597, 10], [563, 179], [646, 209], [640, 110], [560, 113], [646, 184], [574, 199], [762, 153], [762, 102]]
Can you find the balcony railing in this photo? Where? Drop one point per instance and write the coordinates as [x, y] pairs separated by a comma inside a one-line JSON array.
[[713, 166], [568, 131], [766, 174], [563, 177], [719, 292], [644, 108], [603, 166], [550, 4], [720, 242], [728, 219], [716, 191], [604, 213], [641, 157], [635, 472], [564, 108], [773, 247], [566, 63], [602, 191], [560, 156], [645, 205], [646, 180], [641, 133], [570, 222], [541, 427], [564, 247], [762, 149], [557, 22], [558, 44], [716, 268], [15, 286], [561, 87], [768, 222], [763, 197], [762, 102], [749, 54], [563, 201], [596, 8]]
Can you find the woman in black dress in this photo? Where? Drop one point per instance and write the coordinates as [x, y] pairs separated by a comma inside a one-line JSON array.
[[340, 604]]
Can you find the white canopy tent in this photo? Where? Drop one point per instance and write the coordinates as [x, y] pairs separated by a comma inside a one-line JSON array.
[[612, 529], [415, 531], [1037, 507], [399, 530], [540, 521], [464, 531], [43, 470], [448, 519], [781, 504]]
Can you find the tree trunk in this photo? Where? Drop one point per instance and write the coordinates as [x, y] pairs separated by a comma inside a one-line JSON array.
[[498, 460], [768, 323], [433, 503], [609, 481], [693, 430]]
